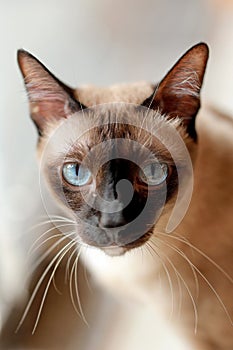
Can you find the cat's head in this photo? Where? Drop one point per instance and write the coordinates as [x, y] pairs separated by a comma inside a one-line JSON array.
[[115, 158]]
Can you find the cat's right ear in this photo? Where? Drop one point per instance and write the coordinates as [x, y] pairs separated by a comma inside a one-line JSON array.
[[49, 98], [178, 94]]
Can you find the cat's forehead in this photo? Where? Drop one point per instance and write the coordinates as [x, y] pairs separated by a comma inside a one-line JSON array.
[[135, 93], [115, 121]]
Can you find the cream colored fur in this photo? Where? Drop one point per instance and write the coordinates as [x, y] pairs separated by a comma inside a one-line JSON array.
[[195, 301], [208, 226], [197, 294]]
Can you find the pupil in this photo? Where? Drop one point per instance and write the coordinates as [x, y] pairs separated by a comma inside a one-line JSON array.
[[153, 169], [76, 170]]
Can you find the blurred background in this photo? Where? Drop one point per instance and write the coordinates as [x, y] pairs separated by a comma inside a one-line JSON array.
[[89, 41]]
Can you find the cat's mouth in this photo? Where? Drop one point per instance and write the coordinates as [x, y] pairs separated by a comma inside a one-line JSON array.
[[117, 250], [116, 241], [114, 250]]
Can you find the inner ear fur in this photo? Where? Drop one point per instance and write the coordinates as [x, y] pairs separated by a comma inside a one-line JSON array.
[[49, 98], [178, 94]]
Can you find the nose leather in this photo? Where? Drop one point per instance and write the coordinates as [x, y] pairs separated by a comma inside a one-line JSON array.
[[112, 215]]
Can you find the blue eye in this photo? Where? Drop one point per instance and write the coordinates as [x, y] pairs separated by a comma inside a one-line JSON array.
[[76, 175], [154, 174]]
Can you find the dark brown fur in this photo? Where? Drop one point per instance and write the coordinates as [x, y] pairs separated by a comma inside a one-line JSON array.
[[199, 252]]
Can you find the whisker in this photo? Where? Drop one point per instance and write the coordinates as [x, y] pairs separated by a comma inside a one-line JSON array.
[[169, 245], [77, 289], [216, 294], [83, 252], [56, 287], [71, 288], [45, 233], [201, 253], [147, 245], [50, 249], [32, 251], [56, 216], [188, 290], [167, 274], [178, 282], [51, 220], [42, 277], [190, 294], [148, 249], [63, 253], [211, 288], [34, 264], [67, 273]]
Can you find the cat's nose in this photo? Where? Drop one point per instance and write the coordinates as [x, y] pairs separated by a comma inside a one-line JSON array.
[[111, 220], [117, 199]]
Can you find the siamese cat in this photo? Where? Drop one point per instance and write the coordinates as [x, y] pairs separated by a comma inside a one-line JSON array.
[[147, 192]]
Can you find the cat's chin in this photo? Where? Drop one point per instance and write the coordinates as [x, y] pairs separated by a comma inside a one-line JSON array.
[[118, 250], [114, 250]]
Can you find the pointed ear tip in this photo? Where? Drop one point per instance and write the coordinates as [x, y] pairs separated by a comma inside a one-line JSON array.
[[24, 59], [21, 54], [202, 48]]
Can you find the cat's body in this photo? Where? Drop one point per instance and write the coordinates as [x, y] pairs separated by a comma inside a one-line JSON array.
[[208, 226], [182, 272]]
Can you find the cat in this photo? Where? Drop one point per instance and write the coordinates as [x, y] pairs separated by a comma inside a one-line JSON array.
[[119, 162]]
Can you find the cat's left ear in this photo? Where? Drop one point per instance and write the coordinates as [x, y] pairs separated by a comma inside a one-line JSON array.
[[178, 94], [49, 98]]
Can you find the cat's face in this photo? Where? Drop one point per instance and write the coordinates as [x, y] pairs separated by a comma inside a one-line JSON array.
[[116, 168]]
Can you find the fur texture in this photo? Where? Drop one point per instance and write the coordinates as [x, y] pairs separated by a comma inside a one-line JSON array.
[[184, 274]]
